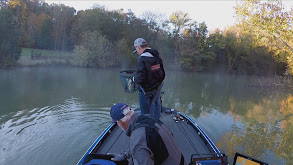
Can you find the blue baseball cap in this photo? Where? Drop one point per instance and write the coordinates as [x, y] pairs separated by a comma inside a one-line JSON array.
[[117, 111]]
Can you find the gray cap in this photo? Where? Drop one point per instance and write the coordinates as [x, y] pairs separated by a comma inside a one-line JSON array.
[[139, 41]]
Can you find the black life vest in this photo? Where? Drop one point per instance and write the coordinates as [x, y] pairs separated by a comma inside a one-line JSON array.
[[154, 141]]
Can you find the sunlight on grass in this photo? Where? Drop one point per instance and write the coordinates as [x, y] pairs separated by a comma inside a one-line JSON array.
[[45, 57], [53, 53]]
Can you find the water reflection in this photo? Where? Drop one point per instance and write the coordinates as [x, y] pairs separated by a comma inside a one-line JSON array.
[[264, 130], [251, 121], [52, 115], [34, 136]]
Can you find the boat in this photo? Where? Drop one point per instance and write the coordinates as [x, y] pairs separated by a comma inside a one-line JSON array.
[[195, 145], [193, 142]]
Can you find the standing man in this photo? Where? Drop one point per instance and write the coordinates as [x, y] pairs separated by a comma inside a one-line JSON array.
[[149, 76], [151, 142]]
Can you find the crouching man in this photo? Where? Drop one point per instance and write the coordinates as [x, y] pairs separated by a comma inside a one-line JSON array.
[[151, 142]]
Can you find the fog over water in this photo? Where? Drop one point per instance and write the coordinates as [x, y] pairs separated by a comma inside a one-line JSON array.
[[52, 115]]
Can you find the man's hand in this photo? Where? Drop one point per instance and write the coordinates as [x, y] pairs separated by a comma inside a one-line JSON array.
[[117, 157]]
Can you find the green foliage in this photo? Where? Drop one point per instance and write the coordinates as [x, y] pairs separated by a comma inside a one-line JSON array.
[[94, 20], [240, 53], [217, 43], [195, 54], [44, 39], [95, 51], [43, 26], [179, 20], [267, 19], [61, 18], [9, 49], [104, 38], [124, 54]]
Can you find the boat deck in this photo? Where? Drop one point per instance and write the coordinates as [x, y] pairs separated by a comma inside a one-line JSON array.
[[186, 134]]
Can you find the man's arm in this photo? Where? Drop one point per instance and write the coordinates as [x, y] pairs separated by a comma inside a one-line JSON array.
[[141, 154], [142, 157], [140, 74], [162, 68]]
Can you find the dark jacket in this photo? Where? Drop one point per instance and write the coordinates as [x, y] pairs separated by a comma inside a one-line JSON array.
[[152, 143], [149, 70]]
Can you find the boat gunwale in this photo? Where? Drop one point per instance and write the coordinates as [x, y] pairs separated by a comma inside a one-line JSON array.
[[206, 137], [96, 142]]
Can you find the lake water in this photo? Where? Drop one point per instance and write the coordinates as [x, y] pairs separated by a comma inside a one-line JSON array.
[[52, 115]]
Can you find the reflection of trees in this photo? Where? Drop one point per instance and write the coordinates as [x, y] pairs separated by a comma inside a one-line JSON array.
[[209, 91], [287, 111], [262, 132], [254, 139], [187, 91], [285, 145], [266, 117], [284, 148]]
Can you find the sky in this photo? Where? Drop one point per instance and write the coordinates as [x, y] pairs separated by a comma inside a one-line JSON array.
[[216, 14]]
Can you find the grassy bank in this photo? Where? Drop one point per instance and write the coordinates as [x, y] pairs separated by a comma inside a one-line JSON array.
[[35, 57]]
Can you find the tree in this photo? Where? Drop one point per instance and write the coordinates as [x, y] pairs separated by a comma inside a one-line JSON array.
[[217, 44], [21, 13], [155, 22], [9, 32], [44, 38], [239, 52], [95, 51], [269, 20], [195, 54], [97, 19], [179, 20], [62, 17]]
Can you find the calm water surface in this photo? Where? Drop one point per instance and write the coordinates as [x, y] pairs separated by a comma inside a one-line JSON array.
[[52, 115]]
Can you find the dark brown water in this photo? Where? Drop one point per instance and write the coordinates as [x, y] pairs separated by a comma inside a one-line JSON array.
[[52, 115]]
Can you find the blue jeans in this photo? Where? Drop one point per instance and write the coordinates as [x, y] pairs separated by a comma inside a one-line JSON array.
[[150, 103]]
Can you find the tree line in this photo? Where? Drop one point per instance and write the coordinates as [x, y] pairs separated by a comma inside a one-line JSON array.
[[259, 44]]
